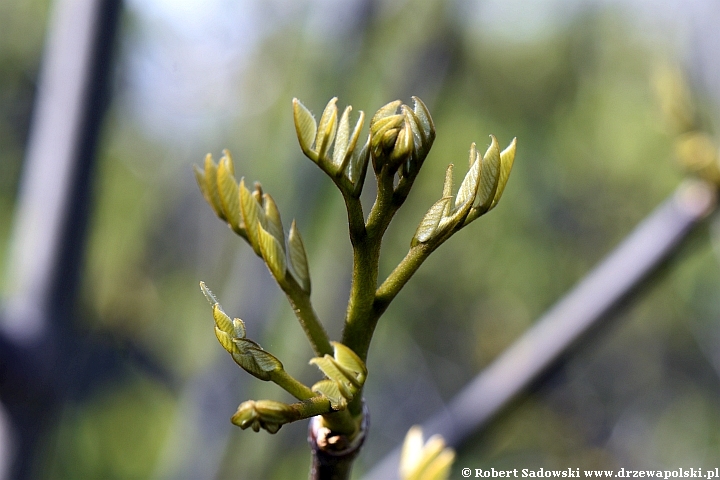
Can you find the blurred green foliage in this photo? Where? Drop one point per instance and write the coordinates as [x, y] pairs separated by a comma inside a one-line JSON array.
[[592, 161]]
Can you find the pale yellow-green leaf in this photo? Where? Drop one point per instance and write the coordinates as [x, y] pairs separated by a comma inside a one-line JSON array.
[[425, 119], [210, 190], [358, 163], [507, 158], [298, 258], [330, 390], [431, 220], [469, 187], [265, 361], [225, 341], [403, 143], [384, 111], [383, 133], [448, 188], [353, 140], [349, 360], [251, 215], [489, 176], [238, 328], [244, 355], [228, 191], [327, 365], [342, 139], [272, 252], [305, 126], [417, 128], [222, 321], [273, 221], [326, 129]]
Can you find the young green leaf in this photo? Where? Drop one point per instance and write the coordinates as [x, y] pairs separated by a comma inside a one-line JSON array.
[[228, 192], [384, 111], [425, 120], [246, 355], [298, 258], [272, 252], [222, 321], [306, 128], [330, 389], [273, 221], [507, 158], [489, 176], [328, 366], [349, 360], [429, 224], [469, 186], [342, 140], [209, 187], [326, 129], [226, 341], [251, 213]]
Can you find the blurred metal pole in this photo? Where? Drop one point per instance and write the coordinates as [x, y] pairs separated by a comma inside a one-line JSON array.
[[48, 232], [60, 150], [549, 338]]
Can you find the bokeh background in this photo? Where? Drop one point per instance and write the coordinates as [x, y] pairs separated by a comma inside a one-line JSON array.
[[571, 79]]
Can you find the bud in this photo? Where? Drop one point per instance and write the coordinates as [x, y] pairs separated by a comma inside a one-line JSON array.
[[266, 414]]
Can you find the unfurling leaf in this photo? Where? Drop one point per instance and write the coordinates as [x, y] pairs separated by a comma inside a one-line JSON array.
[[305, 127], [507, 158], [298, 258], [342, 139], [326, 129], [328, 366], [253, 359], [469, 187], [345, 373], [226, 341], [357, 166], [207, 181], [431, 220], [384, 111], [353, 140], [423, 115], [349, 360], [222, 321], [489, 176], [228, 192], [272, 252], [252, 215], [330, 389], [273, 221]]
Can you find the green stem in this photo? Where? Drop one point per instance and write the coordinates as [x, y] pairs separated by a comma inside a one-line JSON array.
[[288, 383], [301, 305], [400, 276]]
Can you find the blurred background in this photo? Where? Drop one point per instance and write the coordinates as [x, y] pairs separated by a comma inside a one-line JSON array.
[[571, 79]]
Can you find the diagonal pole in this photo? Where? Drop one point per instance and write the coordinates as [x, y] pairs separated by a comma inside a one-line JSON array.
[[613, 280], [38, 348]]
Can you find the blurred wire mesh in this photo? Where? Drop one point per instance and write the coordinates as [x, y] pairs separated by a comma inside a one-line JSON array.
[[572, 80]]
